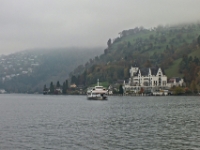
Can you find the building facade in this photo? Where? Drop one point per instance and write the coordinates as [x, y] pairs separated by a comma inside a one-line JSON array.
[[147, 78]]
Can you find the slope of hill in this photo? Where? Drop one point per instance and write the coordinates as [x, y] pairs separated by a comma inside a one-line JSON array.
[[161, 46], [28, 71], [175, 49]]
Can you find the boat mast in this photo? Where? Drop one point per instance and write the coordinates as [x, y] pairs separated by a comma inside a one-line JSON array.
[[97, 82]]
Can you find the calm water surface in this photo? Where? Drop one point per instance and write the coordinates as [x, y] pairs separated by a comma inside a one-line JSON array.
[[38, 122]]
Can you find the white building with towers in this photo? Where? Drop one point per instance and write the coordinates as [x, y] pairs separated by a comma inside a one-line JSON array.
[[147, 78]]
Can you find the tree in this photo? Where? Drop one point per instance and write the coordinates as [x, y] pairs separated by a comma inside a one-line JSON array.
[[151, 37], [74, 79], [109, 43], [64, 89], [178, 90], [67, 84], [51, 88], [193, 86], [58, 84], [121, 91], [147, 64]]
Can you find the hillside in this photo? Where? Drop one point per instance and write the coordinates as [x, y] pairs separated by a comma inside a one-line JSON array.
[[174, 48], [160, 46], [28, 71]]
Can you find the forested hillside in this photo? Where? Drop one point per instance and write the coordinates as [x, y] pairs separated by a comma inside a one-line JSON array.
[[28, 71], [174, 48]]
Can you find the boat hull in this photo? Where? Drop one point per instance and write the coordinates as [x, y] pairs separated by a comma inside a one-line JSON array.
[[97, 98]]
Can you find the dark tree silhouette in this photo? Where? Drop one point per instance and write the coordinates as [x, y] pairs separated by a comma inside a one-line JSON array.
[[67, 84], [64, 89], [121, 91], [51, 88], [58, 84], [109, 43]]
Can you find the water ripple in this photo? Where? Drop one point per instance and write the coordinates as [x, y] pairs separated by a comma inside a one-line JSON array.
[[72, 122]]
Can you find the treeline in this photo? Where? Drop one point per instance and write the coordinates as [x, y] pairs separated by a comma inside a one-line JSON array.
[[190, 67], [56, 89]]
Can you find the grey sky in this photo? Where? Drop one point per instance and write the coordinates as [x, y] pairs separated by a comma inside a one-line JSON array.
[[29, 24]]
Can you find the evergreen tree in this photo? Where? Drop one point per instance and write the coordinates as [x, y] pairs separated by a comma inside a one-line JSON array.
[[67, 84], [58, 84], [109, 43], [51, 88], [73, 79], [64, 89], [121, 91]]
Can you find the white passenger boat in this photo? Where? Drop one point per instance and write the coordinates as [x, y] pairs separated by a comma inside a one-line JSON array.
[[97, 93]]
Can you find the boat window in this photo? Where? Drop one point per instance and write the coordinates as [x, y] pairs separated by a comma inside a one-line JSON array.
[[99, 87]]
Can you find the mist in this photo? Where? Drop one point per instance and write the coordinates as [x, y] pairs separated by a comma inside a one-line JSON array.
[[50, 24]]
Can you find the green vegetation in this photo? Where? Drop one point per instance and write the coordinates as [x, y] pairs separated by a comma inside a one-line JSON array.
[[161, 46], [173, 71], [175, 49], [178, 90], [195, 54]]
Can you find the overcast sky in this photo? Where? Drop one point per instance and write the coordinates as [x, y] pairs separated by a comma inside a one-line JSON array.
[[29, 24]]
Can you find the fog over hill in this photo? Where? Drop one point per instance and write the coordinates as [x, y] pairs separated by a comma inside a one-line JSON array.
[[176, 49], [27, 24], [29, 70]]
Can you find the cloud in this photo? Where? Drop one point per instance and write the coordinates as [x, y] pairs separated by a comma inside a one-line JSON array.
[[88, 23]]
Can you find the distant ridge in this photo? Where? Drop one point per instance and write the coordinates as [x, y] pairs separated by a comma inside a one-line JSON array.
[[27, 71]]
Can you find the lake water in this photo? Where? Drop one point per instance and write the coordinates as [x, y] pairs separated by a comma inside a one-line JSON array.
[[38, 122]]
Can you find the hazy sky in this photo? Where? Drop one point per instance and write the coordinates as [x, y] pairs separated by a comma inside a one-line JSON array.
[[29, 24]]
